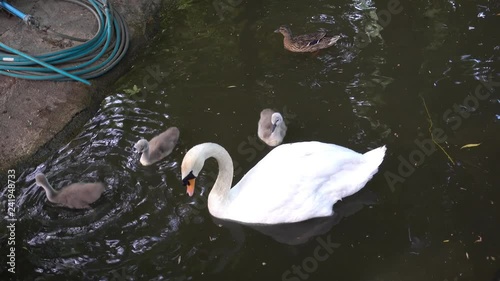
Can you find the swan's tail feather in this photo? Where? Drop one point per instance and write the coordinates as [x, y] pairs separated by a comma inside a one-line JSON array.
[[375, 156], [346, 184]]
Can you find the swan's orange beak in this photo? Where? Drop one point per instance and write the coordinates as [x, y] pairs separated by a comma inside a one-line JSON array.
[[190, 187]]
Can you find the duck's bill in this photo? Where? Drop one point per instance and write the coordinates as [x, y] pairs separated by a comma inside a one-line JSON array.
[[190, 187], [277, 31]]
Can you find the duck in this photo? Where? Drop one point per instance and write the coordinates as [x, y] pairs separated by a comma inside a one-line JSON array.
[[306, 43], [73, 196], [158, 147], [294, 182], [271, 128]]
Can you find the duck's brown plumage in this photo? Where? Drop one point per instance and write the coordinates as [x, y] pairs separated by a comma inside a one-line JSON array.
[[306, 43]]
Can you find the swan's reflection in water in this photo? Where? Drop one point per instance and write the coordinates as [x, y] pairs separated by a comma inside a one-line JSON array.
[[290, 233]]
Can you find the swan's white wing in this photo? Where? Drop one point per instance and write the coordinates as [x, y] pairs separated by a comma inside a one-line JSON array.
[[297, 181]]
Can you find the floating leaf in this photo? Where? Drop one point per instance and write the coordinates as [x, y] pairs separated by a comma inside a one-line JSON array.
[[132, 91], [470, 145], [232, 86], [446, 241]]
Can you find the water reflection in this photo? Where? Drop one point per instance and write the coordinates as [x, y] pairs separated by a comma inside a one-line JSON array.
[[302, 232]]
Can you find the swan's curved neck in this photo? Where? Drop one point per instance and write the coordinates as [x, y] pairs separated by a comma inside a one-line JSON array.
[[49, 190], [219, 197]]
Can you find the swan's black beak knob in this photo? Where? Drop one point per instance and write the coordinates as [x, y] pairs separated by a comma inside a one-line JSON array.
[[189, 182]]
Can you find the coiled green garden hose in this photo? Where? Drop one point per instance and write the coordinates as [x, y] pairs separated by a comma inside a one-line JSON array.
[[80, 62]]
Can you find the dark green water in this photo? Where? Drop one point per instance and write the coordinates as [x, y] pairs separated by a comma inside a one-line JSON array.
[[426, 219]]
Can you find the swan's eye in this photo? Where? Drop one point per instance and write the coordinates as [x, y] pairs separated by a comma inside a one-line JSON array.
[[185, 181]]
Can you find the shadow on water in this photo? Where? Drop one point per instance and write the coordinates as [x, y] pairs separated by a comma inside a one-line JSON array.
[[210, 74]]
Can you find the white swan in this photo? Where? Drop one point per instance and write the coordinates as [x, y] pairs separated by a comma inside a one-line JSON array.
[[271, 127], [293, 183], [158, 147], [76, 195]]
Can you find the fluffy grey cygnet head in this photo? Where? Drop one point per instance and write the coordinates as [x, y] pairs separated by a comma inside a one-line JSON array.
[[271, 127]]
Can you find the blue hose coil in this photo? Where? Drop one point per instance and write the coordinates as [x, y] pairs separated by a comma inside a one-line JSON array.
[[13, 10], [109, 44]]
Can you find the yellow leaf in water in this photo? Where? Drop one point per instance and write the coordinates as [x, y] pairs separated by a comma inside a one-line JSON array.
[[470, 145], [446, 241], [232, 86]]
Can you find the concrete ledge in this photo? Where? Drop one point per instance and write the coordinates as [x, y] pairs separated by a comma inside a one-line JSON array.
[[37, 117]]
